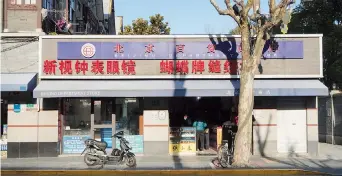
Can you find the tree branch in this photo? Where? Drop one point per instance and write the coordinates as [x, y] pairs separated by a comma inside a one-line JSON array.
[[283, 3], [276, 13], [229, 11], [271, 4], [227, 2], [259, 46], [240, 3], [245, 9]]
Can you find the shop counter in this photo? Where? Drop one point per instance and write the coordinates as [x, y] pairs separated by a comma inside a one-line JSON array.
[[182, 140]]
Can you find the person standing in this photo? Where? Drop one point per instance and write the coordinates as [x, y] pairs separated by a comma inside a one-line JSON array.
[[200, 125], [186, 121], [206, 138]]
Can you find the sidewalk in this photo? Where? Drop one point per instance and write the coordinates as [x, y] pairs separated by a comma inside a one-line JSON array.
[[174, 163], [328, 161]]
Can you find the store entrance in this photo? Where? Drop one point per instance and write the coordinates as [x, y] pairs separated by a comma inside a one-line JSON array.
[[4, 107], [213, 111]]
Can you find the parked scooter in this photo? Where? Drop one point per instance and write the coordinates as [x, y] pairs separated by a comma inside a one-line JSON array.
[[226, 152], [95, 153]]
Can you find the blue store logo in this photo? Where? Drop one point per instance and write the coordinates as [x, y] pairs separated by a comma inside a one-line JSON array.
[[16, 108]]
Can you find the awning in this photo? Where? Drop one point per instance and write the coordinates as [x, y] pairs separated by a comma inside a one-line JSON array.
[[18, 81], [174, 88]]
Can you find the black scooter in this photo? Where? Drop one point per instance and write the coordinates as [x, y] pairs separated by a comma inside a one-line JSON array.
[[95, 153]]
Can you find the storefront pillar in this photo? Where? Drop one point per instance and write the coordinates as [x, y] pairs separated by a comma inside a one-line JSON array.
[[113, 131]]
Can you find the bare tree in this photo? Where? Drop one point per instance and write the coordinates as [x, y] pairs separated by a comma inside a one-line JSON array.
[[255, 29]]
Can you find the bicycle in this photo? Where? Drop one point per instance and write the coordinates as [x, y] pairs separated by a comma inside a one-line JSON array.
[[226, 153]]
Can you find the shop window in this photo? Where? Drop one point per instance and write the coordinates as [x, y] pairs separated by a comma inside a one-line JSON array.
[[77, 114], [127, 115], [50, 104]]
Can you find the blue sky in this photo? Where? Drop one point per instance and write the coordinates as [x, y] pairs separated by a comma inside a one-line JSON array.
[[184, 16]]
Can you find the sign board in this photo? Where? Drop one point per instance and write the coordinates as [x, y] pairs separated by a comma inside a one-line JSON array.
[[135, 141], [74, 144], [132, 57], [182, 140]]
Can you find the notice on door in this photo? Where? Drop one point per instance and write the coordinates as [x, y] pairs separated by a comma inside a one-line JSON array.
[[182, 140]]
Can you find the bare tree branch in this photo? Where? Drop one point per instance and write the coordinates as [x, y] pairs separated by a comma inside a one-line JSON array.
[[276, 13], [227, 2], [259, 45], [239, 2], [283, 3], [229, 11], [271, 5], [247, 8]]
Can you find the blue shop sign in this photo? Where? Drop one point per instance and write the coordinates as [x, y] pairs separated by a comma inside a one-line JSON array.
[[192, 50], [74, 144], [135, 141]]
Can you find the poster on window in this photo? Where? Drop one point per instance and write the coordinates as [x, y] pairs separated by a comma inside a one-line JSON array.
[[182, 140], [74, 144]]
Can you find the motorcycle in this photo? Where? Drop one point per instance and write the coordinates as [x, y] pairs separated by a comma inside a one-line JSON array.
[[95, 152], [226, 152]]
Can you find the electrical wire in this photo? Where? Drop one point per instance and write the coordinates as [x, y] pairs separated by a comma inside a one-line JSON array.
[[22, 43]]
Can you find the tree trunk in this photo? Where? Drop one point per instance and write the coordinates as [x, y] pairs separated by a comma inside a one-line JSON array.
[[243, 139]]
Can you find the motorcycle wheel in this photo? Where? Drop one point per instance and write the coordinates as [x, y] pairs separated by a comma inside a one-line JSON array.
[[88, 161], [131, 161]]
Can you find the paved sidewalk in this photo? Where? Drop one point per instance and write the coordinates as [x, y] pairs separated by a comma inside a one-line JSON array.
[[328, 161], [329, 151], [171, 163]]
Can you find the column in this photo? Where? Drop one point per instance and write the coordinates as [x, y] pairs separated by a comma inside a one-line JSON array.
[[5, 7], [39, 15]]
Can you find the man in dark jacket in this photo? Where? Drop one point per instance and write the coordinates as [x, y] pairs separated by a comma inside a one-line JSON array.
[[187, 121]]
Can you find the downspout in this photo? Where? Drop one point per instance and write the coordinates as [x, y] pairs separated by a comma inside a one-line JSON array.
[[113, 14]]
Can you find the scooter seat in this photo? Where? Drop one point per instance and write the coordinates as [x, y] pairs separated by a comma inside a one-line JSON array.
[[101, 144]]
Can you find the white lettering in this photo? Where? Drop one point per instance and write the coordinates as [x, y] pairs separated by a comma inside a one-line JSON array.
[[70, 94]]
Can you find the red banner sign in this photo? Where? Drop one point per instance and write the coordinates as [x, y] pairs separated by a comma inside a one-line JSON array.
[[97, 67], [128, 67]]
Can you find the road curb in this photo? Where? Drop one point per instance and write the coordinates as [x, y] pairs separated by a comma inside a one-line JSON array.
[[162, 172]]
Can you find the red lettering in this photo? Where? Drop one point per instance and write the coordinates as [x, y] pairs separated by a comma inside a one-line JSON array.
[[131, 67], [211, 48], [197, 66], [182, 67], [166, 67], [113, 67], [81, 67], [97, 67], [65, 67], [230, 67], [128, 67], [49, 67], [162, 66], [214, 66]]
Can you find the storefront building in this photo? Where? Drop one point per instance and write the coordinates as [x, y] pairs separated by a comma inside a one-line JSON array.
[[17, 102], [144, 85]]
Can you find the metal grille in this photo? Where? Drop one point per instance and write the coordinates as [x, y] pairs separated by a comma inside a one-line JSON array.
[[330, 119]]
